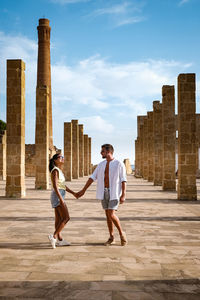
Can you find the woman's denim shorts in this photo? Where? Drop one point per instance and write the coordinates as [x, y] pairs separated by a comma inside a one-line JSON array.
[[55, 201]]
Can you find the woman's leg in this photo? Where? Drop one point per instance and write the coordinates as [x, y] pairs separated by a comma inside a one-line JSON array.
[[63, 213], [57, 222]]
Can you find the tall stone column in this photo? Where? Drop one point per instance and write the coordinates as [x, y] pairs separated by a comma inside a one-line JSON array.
[[140, 122], [44, 66], [68, 150], [198, 142], [157, 140], [75, 150], [145, 149], [86, 155], [90, 154], [169, 138], [81, 151], [136, 157], [15, 156], [42, 138], [187, 189], [150, 145], [3, 155]]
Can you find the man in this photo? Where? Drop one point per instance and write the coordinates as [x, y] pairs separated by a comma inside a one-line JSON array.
[[111, 188]]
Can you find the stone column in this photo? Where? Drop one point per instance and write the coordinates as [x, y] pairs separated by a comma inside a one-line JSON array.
[[140, 122], [42, 138], [157, 140], [81, 151], [68, 150], [75, 150], [136, 157], [198, 142], [90, 154], [3, 155], [150, 145], [44, 66], [127, 164], [15, 156], [187, 189], [86, 155], [145, 150], [169, 138]]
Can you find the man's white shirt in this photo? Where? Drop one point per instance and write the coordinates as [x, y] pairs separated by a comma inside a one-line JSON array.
[[117, 174]]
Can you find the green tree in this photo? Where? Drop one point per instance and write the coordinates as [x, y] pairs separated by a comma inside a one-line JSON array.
[[2, 125]]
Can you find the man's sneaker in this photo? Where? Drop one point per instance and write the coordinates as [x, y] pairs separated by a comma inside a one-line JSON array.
[[62, 243], [110, 241], [124, 240], [52, 240]]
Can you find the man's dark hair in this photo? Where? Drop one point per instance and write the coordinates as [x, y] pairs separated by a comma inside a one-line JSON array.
[[108, 147]]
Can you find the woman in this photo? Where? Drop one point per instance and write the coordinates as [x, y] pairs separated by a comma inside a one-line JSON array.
[[57, 200]]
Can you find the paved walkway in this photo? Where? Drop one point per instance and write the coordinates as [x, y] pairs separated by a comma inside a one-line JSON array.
[[161, 261]]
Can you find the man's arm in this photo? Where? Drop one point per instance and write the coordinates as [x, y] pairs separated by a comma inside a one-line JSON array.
[[123, 195], [82, 192]]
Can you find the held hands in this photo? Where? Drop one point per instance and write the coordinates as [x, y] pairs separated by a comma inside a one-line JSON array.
[[75, 195], [78, 194]]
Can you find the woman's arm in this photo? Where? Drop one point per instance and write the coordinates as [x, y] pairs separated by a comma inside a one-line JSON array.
[[70, 191]]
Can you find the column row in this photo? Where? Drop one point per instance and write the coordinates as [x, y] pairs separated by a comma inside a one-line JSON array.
[[77, 146], [77, 151], [155, 147]]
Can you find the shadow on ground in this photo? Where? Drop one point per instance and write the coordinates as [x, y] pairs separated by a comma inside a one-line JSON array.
[[179, 289]]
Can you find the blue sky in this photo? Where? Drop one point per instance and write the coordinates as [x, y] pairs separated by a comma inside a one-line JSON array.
[[109, 61]]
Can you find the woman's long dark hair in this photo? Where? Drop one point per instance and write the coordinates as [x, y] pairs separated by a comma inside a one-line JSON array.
[[52, 161]]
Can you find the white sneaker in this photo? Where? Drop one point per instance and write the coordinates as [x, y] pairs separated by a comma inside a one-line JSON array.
[[62, 243], [52, 240]]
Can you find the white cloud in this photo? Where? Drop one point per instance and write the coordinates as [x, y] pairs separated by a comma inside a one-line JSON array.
[[113, 10], [106, 97], [19, 47], [121, 14], [183, 2], [129, 21], [97, 124], [77, 85]]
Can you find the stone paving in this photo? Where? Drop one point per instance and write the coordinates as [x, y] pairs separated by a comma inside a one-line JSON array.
[[161, 260]]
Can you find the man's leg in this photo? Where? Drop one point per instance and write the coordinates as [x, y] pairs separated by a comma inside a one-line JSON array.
[[114, 218], [109, 223]]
